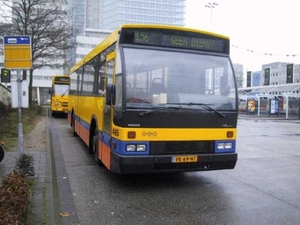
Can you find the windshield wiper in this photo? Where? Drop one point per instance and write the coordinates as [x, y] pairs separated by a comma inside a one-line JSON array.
[[156, 109], [205, 106], [64, 93]]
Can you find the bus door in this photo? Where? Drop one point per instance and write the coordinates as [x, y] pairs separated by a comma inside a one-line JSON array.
[[109, 79]]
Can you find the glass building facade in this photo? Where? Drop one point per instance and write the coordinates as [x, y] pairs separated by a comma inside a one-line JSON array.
[[117, 12], [93, 14], [77, 13]]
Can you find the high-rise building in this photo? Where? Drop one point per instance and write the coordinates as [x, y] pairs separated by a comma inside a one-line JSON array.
[[77, 12], [109, 14], [93, 14], [117, 12]]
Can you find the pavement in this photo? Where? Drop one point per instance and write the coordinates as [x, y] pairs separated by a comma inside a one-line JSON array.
[[36, 144], [50, 175], [295, 118], [7, 166]]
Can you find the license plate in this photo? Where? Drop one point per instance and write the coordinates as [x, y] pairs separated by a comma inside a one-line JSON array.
[[184, 159]]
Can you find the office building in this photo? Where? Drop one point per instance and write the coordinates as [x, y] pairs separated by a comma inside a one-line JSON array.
[[77, 14], [117, 12], [93, 12]]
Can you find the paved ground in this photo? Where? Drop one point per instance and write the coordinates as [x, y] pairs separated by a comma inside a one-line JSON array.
[[35, 145], [38, 144]]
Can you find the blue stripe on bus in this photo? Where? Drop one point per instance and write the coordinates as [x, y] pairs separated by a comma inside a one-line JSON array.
[[121, 147], [81, 122], [105, 138], [85, 125]]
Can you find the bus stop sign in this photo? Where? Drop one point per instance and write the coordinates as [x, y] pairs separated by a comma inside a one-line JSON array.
[[17, 52]]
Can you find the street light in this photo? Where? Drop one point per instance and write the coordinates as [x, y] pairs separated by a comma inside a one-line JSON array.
[[211, 5]]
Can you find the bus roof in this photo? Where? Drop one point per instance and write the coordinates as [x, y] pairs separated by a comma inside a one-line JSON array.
[[112, 38]]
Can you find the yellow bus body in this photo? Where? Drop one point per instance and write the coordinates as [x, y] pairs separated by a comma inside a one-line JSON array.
[[59, 99], [86, 115]]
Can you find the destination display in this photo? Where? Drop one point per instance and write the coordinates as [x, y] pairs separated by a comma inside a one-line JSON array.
[[181, 40], [62, 79]]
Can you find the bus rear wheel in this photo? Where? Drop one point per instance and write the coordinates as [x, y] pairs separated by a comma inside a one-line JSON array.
[[95, 147], [73, 126]]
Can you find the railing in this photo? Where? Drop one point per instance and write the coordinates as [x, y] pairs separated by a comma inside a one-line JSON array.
[[5, 95]]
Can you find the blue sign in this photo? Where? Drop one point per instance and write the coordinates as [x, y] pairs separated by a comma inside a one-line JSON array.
[[256, 76], [16, 40], [274, 106]]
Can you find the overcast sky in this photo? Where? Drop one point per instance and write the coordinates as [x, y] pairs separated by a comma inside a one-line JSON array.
[[255, 26]]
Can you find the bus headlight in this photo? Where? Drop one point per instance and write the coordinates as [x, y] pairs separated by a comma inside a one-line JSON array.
[[228, 145], [221, 146], [224, 146], [136, 148], [130, 148], [141, 148], [57, 104]]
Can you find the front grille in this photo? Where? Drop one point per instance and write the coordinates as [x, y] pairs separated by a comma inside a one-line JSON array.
[[64, 104], [181, 147]]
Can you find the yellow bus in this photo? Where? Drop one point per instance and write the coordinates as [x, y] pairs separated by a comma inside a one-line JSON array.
[[156, 98], [59, 95]]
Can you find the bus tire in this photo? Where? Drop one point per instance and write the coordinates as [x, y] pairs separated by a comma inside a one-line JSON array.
[[95, 147], [73, 126]]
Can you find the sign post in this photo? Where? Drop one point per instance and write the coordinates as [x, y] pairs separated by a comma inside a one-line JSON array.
[[17, 56]]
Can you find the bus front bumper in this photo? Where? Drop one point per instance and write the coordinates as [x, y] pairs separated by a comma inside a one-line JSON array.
[[163, 163]]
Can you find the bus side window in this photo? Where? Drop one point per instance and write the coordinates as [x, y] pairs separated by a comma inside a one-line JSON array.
[[101, 79]]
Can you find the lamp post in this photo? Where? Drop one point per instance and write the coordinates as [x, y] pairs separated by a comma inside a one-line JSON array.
[[211, 5]]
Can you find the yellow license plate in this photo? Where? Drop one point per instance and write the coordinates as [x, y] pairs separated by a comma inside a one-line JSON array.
[[184, 159]]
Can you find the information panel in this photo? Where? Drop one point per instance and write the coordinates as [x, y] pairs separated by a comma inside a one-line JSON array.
[[17, 52], [176, 39], [170, 40]]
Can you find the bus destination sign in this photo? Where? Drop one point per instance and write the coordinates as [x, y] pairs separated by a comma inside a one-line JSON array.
[[196, 42], [62, 79]]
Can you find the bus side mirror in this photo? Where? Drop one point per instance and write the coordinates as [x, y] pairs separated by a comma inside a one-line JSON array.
[[110, 94], [50, 91]]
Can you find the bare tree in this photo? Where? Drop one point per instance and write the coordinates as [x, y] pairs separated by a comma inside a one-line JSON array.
[[238, 69], [47, 23]]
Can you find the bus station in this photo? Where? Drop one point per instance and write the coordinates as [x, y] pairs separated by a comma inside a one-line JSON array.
[[275, 100]]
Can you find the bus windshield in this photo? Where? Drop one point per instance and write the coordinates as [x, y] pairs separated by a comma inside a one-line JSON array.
[[160, 78], [61, 89]]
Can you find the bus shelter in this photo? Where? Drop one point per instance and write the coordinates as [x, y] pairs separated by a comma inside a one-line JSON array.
[[279, 99]]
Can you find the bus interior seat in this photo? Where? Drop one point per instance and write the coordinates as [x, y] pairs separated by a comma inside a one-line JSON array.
[[158, 87]]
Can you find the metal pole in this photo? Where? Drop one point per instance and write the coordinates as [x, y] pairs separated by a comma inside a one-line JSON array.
[[211, 12], [211, 6], [287, 107], [20, 126]]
